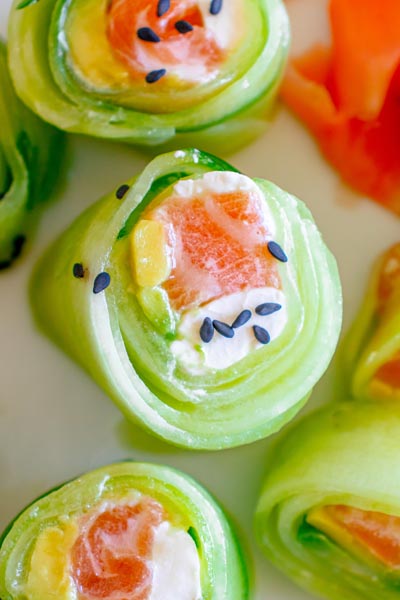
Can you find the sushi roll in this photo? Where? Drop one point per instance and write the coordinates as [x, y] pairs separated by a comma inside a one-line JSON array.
[[30, 153], [204, 302], [129, 530], [166, 72], [329, 511], [370, 354]]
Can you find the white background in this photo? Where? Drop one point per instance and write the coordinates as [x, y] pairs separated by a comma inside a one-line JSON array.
[[56, 423]]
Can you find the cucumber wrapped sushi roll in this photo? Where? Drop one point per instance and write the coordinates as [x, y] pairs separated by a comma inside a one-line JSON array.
[[329, 512], [128, 530], [29, 161], [204, 302], [192, 72], [370, 356]]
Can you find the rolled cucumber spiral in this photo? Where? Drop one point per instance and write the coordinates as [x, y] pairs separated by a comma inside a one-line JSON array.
[[172, 73], [329, 511], [147, 531], [30, 153], [369, 358], [204, 303]]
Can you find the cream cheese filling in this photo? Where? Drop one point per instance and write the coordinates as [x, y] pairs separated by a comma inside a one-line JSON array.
[[198, 357], [176, 565]]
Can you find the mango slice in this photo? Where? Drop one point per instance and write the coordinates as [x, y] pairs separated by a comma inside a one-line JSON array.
[[149, 256], [48, 576]]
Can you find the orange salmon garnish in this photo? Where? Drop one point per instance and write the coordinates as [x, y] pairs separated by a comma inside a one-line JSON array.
[[348, 96]]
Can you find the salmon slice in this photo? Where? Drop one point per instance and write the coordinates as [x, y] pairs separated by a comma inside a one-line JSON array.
[[377, 532], [389, 373], [218, 244], [198, 45], [366, 53], [111, 558], [348, 96]]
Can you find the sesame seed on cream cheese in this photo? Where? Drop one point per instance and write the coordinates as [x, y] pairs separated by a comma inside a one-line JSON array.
[[198, 357]]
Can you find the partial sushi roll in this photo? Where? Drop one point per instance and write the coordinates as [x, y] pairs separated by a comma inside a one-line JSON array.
[[205, 303], [370, 355], [30, 155], [166, 72], [128, 530], [329, 511]]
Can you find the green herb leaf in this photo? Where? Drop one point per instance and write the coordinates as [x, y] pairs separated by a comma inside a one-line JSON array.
[[26, 3]]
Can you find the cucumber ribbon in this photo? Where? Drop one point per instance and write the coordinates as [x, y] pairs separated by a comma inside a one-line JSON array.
[[66, 69], [124, 335], [30, 151], [370, 354], [42, 556], [344, 455]]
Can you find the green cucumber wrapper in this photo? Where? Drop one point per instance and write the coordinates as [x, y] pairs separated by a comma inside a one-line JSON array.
[[228, 119], [373, 338], [343, 454], [222, 567], [30, 152], [109, 335]]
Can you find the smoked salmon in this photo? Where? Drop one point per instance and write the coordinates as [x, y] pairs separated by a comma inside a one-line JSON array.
[[112, 556], [147, 41], [219, 246], [347, 95]]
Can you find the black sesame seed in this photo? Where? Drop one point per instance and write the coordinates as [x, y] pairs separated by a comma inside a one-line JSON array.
[[207, 330], [18, 244], [101, 282], [78, 271], [277, 251], [183, 26], [154, 76], [148, 35], [215, 7], [261, 334], [121, 191], [241, 319], [267, 308], [223, 328], [162, 7]]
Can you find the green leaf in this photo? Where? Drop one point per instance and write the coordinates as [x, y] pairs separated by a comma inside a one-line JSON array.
[[26, 3], [156, 188]]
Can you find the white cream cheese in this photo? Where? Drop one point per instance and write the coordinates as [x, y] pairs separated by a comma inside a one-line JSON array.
[[176, 565], [224, 26], [198, 357]]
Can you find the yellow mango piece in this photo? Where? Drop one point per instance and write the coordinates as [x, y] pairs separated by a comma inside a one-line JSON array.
[[48, 577], [149, 257], [89, 47]]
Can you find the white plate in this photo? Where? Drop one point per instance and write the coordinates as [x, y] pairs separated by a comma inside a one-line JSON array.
[[56, 423]]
